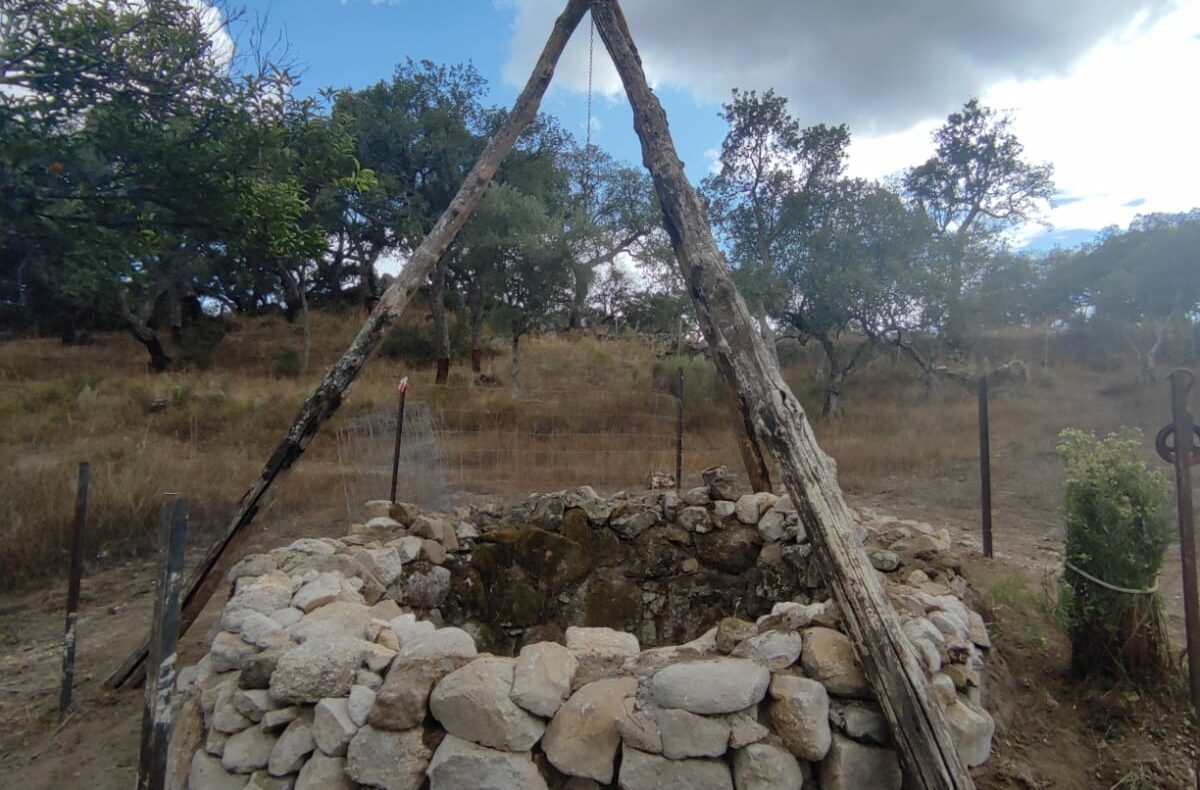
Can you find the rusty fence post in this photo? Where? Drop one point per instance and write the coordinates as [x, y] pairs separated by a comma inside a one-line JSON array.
[[164, 640], [1182, 452], [402, 389], [985, 467], [679, 433], [70, 633]]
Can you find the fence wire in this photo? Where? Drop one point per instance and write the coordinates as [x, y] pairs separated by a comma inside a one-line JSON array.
[[463, 441]]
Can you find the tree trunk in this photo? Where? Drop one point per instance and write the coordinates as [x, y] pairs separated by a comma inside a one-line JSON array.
[[513, 388], [139, 327], [768, 334], [441, 328], [475, 299], [918, 722], [583, 276], [327, 397]]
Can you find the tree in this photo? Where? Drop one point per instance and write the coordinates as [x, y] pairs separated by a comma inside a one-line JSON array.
[[976, 186], [850, 277], [773, 176]]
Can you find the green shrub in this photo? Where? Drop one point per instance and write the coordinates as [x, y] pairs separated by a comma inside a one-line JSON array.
[[1116, 532], [287, 364]]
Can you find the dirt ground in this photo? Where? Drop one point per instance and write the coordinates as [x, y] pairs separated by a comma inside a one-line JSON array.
[[1052, 732]]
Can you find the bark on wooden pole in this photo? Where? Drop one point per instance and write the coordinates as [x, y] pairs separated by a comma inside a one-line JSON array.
[[917, 720], [164, 636], [328, 396]]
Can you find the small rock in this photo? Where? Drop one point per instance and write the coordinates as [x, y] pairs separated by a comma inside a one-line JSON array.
[[770, 526], [721, 484], [723, 510], [944, 689], [252, 703], [639, 727], [884, 560], [322, 590], [746, 509], [799, 709], [408, 548], [744, 728], [696, 496], [642, 771], [251, 565], [332, 727], [437, 645], [689, 735], [432, 551], [542, 677], [600, 651], [390, 760], [695, 519], [461, 765], [382, 524], [977, 631], [474, 703], [776, 649], [336, 620], [466, 531], [829, 657], [731, 631], [582, 738], [312, 546], [292, 747], [261, 780], [761, 766], [322, 772], [853, 766], [248, 751], [403, 700], [862, 722], [280, 717], [721, 685], [973, 728], [287, 616], [362, 699], [427, 590], [208, 773], [228, 650]]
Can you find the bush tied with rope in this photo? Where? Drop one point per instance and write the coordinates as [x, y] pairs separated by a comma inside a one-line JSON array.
[[1117, 534]]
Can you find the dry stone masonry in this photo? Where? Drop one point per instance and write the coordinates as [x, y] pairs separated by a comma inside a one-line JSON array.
[[334, 663]]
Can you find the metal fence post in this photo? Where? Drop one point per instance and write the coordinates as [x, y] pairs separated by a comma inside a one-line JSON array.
[[679, 434], [985, 467], [402, 388], [70, 634], [164, 639], [1182, 454]]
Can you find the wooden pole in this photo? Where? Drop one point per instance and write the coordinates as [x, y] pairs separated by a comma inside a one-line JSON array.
[[164, 638], [1182, 459], [918, 723], [332, 390], [402, 389], [985, 467], [70, 634]]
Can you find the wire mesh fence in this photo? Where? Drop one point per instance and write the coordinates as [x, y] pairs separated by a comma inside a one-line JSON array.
[[461, 441]]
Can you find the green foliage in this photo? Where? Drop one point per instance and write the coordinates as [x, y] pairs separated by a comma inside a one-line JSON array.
[[1116, 532], [410, 344]]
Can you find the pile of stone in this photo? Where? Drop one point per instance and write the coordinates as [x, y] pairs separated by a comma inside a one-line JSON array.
[[333, 667]]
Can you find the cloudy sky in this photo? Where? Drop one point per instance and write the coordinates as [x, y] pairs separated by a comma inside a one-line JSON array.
[[1103, 89]]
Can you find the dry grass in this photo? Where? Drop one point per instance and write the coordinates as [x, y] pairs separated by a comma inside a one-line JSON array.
[[60, 405]]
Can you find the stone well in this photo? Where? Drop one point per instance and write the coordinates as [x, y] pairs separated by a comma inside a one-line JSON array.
[[648, 640]]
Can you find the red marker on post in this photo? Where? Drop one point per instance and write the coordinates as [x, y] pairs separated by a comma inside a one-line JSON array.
[[401, 389]]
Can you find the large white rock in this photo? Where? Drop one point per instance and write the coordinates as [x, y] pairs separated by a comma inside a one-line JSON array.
[[263, 594], [362, 699], [719, 685], [761, 766], [690, 735], [799, 709], [390, 760], [642, 771], [403, 699], [337, 620], [461, 765], [854, 766], [542, 677], [973, 728], [228, 650], [601, 641], [582, 738], [261, 630], [332, 727], [323, 772], [829, 657], [316, 670], [475, 703]]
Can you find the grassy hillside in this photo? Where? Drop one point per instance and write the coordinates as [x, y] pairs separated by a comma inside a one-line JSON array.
[[206, 433]]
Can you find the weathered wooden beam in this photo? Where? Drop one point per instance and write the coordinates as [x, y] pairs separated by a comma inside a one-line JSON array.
[[918, 722], [328, 396]]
